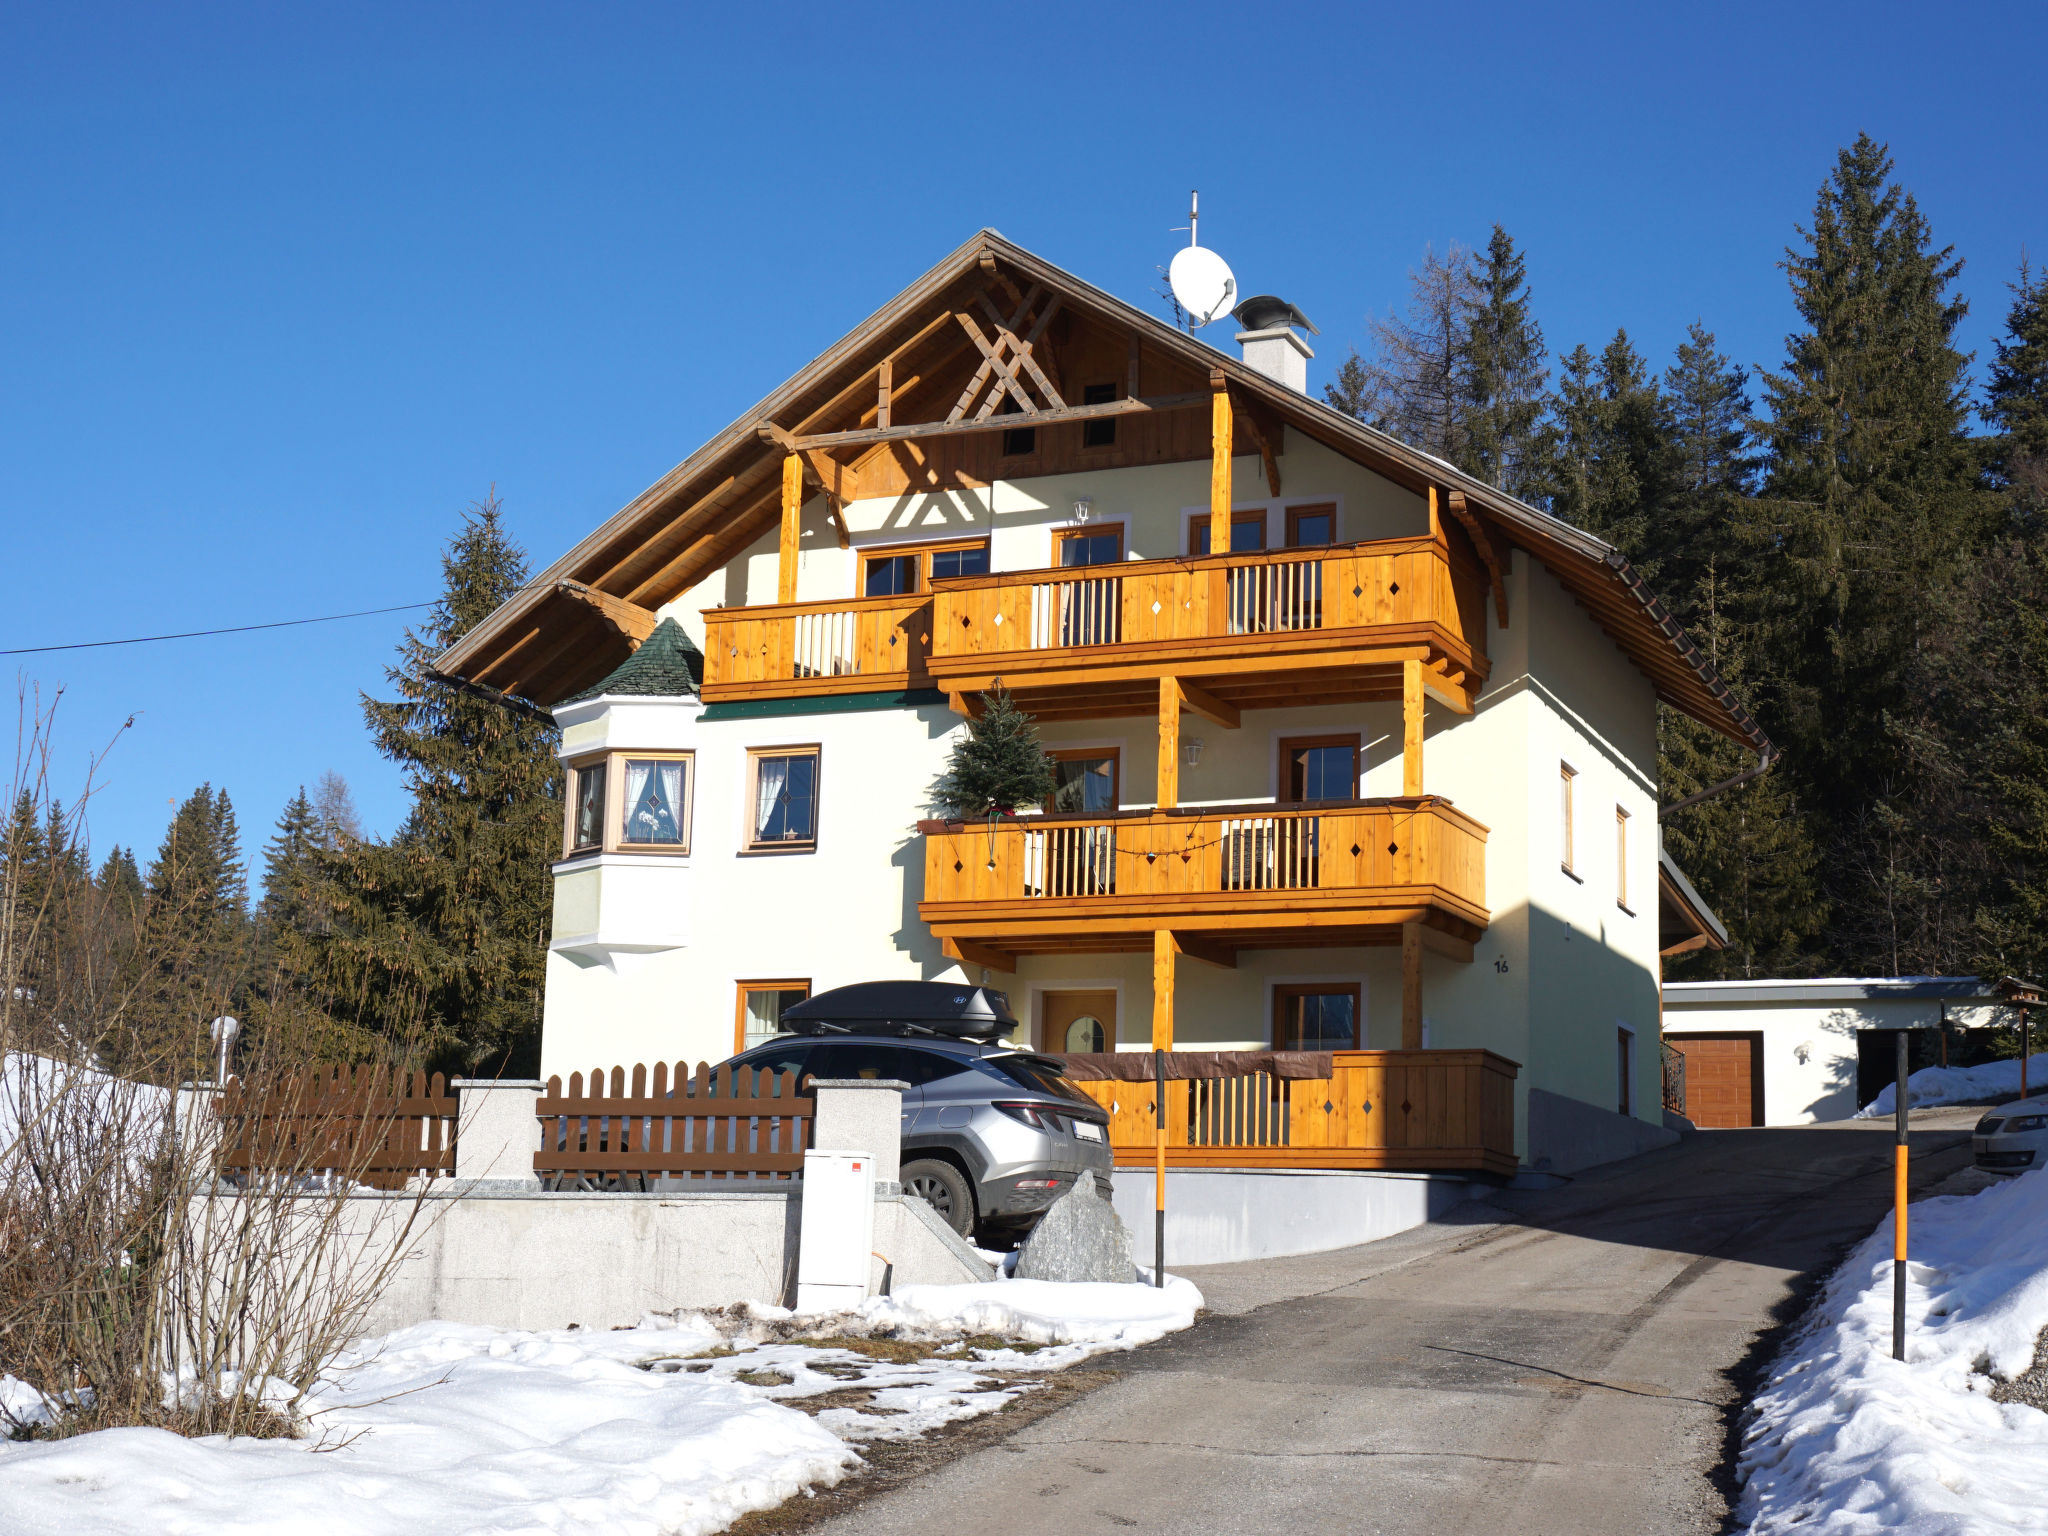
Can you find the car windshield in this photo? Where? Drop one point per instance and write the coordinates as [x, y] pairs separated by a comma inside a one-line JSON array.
[[1037, 1076]]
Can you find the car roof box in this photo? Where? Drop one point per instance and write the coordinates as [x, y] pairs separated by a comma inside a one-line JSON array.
[[893, 1007]]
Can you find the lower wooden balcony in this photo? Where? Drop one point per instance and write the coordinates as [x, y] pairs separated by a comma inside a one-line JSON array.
[[1450, 1111], [1221, 878], [793, 650]]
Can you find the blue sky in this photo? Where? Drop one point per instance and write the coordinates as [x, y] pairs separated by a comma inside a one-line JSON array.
[[283, 288]]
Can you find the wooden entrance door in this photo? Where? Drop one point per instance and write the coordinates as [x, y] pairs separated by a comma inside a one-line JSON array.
[[1724, 1078], [1077, 1021]]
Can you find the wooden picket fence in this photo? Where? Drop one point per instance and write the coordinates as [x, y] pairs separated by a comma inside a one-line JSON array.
[[729, 1123], [371, 1125]]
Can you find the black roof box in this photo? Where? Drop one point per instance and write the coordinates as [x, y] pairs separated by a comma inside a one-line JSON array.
[[894, 1007]]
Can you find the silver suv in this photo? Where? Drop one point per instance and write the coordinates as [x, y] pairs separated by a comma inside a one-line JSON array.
[[992, 1135]]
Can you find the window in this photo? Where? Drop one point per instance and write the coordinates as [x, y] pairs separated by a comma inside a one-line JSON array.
[[1311, 525], [586, 807], [761, 1006], [1621, 861], [873, 1059], [657, 802], [1090, 546], [1316, 1016], [652, 791], [1247, 531], [1084, 779], [906, 569], [1098, 434], [1565, 777], [1319, 768], [782, 799], [1625, 1049]]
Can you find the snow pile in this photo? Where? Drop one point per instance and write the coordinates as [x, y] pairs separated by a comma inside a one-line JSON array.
[[678, 1425], [1844, 1439], [1960, 1085]]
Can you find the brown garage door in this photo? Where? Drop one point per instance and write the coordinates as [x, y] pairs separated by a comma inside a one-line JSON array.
[[1724, 1078]]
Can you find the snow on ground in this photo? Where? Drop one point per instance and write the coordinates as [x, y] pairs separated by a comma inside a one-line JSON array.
[[1844, 1440], [1960, 1085], [677, 1426]]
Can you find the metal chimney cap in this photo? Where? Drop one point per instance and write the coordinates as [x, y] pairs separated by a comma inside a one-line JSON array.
[[1264, 311]]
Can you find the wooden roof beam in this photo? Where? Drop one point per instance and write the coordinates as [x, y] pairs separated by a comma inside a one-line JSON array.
[[1496, 565], [925, 429], [629, 619]]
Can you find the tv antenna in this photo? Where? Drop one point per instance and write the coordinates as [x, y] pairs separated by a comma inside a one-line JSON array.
[[1201, 280]]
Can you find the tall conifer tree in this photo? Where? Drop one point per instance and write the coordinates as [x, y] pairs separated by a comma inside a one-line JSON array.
[[1503, 374]]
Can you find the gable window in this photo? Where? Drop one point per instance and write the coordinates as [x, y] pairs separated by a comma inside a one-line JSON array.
[[657, 803], [1565, 775], [761, 1006], [1102, 433], [782, 799], [1318, 1016], [1311, 525], [887, 573], [586, 807], [1247, 531], [1318, 768], [1084, 779], [1621, 861]]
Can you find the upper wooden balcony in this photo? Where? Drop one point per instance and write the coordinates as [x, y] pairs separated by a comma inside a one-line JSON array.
[[1222, 878], [1319, 625]]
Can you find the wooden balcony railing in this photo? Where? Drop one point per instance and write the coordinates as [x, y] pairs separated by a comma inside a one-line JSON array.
[[1049, 882], [786, 650], [1448, 1111], [1210, 613]]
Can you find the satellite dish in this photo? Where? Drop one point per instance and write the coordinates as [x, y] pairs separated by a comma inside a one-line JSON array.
[[1203, 283]]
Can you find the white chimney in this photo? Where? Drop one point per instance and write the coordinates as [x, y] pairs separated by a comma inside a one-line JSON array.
[[1270, 342]]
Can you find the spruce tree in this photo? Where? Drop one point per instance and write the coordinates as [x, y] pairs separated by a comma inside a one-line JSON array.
[[194, 945], [2016, 402], [287, 863], [1503, 373], [445, 925], [996, 765]]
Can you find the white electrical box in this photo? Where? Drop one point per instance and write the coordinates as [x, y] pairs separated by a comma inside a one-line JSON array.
[[837, 1231]]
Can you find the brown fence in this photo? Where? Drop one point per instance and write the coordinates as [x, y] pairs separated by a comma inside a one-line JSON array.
[[372, 1125], [728, 1123]]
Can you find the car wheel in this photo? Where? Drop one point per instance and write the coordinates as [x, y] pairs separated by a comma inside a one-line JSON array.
[[945, 1188]]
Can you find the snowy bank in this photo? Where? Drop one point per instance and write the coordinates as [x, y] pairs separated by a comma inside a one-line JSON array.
[[1959, 1085], [1844, 1440], [677, 1426]]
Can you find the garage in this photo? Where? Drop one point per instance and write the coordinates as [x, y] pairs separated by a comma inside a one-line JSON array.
[[1724, 1077]]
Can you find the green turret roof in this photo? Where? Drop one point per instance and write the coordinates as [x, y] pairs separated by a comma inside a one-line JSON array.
[[666, 664]]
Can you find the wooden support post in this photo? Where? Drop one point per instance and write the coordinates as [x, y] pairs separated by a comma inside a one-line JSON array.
[[1165, 952], [885, 381], [1436, 521], [1169, 743], [792, 506], [1411, 727], [1219, 465], [1411, 986]]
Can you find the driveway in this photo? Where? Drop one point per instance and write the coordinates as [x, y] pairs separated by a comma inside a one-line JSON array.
[[1570, 1361]]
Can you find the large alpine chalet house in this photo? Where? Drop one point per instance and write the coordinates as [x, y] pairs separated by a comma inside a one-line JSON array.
[[1354, 752]]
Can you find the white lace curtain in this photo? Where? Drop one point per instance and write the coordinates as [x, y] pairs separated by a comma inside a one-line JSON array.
[[654, 801], [769, 821]]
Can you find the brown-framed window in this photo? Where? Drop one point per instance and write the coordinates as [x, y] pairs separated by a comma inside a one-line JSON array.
[[1085, 779], [1312, 524], [1318, 768], [759, 1008], [1089, 546], [1247, 531], [1317, 1016], [1098, 434], [1621, 861], [782, 799], [1565, 774], [583, 825], [908, 568]]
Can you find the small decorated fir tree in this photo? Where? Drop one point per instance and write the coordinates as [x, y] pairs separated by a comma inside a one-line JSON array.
[[997, 766]]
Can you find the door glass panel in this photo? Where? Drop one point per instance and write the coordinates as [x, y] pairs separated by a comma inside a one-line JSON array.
[[1085, 1034], [1092, 548], [1319, 1021], [1245, 533], [1311, 527], [1084, 783], [1322, 773]]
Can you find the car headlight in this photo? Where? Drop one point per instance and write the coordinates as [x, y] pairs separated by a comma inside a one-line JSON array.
[[2027, 1123]]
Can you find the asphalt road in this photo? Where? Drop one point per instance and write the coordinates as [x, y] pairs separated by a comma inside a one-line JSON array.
[[1571, 1361]]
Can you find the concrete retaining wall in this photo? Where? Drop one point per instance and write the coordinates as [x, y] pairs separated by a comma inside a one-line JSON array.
[[1227, 1215]]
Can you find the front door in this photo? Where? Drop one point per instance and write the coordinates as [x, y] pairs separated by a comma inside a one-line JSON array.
[[1070, 1022]]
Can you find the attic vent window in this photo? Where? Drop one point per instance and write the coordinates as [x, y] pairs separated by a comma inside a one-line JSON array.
[[1019, 440], [1098, 434]]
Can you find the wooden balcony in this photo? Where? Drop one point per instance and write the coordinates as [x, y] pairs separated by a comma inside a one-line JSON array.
[[1414, 1111], [1255, 629], [1222, 878], [790, 650]]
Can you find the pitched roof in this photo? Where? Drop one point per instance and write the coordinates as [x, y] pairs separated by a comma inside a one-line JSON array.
[[667, 663], [576, 621]]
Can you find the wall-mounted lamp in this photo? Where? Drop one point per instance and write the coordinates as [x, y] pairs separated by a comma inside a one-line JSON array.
[[1191, 751], [1084, 508]]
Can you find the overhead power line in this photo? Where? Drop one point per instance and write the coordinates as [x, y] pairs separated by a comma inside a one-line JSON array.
[[194, 634]]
